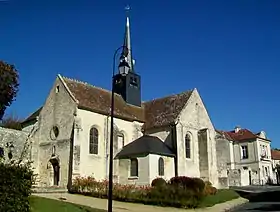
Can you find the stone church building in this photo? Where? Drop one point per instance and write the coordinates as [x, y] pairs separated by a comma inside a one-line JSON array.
[[163, 137]]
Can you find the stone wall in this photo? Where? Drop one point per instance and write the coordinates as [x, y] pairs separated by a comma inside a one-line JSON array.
[[17, 138], [223, 155], [57, 112], [234, 177]]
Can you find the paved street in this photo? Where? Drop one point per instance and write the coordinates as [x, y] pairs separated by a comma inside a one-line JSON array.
[[262, 198], [258, 206]]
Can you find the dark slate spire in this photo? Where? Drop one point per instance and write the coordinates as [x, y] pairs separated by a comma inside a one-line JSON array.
[[126, 62]]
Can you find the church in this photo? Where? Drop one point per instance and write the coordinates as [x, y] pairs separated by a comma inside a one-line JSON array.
[[164, 137]]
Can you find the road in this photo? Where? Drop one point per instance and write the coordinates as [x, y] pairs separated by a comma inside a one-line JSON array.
[[258, 207], [262, 198]]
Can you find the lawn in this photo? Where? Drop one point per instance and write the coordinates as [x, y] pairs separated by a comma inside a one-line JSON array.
[[40, 204], [222, 195]]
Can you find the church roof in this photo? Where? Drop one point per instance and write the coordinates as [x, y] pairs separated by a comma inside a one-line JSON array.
[[99, 100], [155, 113], [143, 146], [33, 116]]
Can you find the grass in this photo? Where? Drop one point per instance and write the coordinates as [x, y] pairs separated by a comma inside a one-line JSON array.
[[221, 196], [40, 204]]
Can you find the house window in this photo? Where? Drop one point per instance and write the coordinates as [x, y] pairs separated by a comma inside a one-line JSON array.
[[160, 167], [93, 141], [188, 145], [244, 152], [120, 141], [134, 167]]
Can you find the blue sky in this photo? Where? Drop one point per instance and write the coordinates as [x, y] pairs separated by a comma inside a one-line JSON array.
[[228, 50]]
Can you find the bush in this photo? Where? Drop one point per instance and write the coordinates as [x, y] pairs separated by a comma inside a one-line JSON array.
[[197, 185], [15, 187], [158, 182], [209, 189], [183, 192], [165, 195]]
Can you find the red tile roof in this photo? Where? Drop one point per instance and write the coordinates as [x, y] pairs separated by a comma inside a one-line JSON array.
[[241, 135], [275, 154]]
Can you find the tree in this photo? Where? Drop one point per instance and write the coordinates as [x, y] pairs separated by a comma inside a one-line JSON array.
[[8, 86], [11, 122]]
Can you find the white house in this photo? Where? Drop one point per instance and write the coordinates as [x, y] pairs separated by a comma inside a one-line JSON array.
[[244, 157], [163, 137]]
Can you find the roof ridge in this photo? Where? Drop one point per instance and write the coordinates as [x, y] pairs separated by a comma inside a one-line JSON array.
[[168, 96], [85, 83]]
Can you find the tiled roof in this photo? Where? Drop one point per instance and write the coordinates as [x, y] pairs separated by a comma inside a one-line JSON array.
[[99, 100], [163, 111], [155, 113], [241, 135], [275, 154]]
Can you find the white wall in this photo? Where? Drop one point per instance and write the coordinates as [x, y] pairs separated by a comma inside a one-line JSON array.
[[97, 165], [193, 118], [169, 168]]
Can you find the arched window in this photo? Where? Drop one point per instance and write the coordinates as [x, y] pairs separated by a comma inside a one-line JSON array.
[[160, 167], [120, 141], [134, 167], [93, 141], [188, 145]]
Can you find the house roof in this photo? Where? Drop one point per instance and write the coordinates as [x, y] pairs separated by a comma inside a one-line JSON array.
[[143, 146], [275, 154], [155, 113], [33, 116], [241, 135]]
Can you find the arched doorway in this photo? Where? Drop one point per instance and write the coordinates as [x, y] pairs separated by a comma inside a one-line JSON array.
[[55, 171]]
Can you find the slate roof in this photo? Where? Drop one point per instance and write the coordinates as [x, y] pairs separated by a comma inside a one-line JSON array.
[[275, 154], [241, 135], [155, 113], [143, 146], [33, 116]]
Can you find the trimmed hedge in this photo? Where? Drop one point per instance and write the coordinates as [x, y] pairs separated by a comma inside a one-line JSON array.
[[15, 187]]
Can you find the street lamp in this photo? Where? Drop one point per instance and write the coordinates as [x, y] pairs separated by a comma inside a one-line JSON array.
[[110, 190]]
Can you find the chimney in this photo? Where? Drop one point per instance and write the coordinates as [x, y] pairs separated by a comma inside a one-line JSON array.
[[236, 129]]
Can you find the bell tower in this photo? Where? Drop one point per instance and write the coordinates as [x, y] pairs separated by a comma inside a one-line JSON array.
[[127, 82]]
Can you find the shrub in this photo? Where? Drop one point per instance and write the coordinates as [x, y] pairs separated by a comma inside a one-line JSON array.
[[158, 182], [167, 195], [195, 184], [15, 187], [209, 189]]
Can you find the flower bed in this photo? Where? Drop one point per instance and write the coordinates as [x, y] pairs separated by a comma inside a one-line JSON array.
[[181, 191]]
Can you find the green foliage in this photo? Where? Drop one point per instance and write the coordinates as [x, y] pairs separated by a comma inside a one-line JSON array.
[[183, 192], [222, 195], [11, 122], [158, 182], [196, 185], [8, 86], [15, 187], [40, 204]]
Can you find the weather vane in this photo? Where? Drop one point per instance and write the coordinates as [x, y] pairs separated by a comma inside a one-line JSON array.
[[127, 9]]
